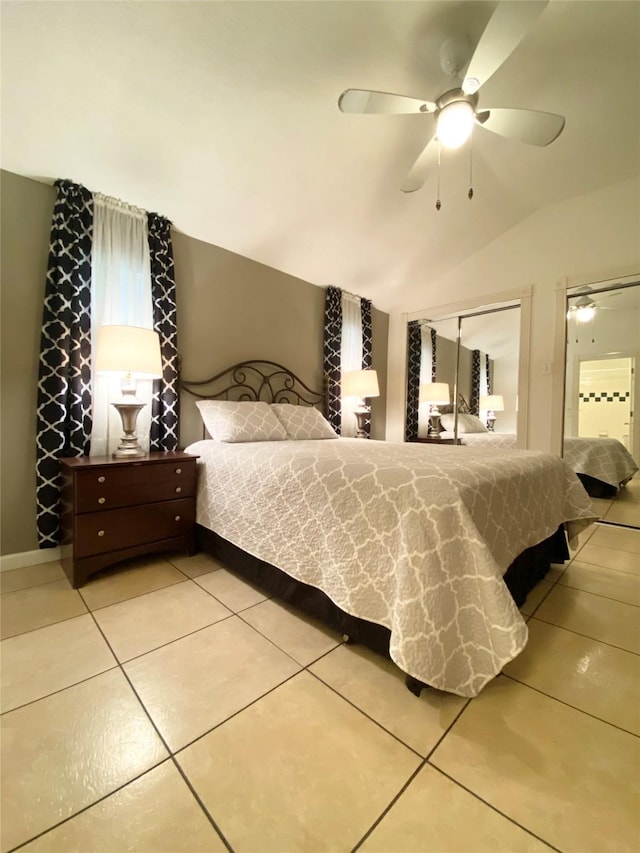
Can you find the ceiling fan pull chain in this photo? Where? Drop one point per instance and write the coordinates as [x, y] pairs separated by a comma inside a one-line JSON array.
[[438, 202], [470, 193]]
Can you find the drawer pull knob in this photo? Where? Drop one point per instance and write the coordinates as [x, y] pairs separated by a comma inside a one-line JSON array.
[[101, 479], [100, 532], [178, 490], [101, 500], [177, 518], [178, 470]]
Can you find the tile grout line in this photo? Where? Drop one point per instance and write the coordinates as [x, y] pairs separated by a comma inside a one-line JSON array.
[[607, 597], [595, 639], [422, 764], [170, 752], [569, 705], [493, 808], [88, 806]]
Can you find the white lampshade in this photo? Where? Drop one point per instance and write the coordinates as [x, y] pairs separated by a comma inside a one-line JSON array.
[[434, 392], [360, 383], [455, 123], [495, 402], [128, 349]]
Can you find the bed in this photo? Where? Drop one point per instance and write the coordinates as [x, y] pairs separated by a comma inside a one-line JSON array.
[[603, 465], [419, 553]]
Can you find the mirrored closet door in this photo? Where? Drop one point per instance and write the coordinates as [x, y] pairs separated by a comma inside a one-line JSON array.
[[462, 381], [601, 434]]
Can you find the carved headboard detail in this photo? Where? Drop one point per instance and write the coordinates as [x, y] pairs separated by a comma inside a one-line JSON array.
[[258, 381], [463, 407]]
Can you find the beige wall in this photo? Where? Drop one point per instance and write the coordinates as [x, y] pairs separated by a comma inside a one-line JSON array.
[[232, 309], [25, 221], [229, 309], [587, 238]]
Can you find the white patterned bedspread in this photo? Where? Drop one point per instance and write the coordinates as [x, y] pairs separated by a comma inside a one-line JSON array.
[[412, 537], [494, 440], [605, 459]]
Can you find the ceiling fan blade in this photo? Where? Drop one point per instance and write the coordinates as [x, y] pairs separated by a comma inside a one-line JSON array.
[[426, 163], [530, 126], [506, 28], [367, 101]]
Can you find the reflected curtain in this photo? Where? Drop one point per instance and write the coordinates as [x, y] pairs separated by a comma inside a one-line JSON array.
[[331, 355], [474, 402], [63, 418], [414, 366]]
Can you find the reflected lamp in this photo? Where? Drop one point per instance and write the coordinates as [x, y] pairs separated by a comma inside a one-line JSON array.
[[492, 403], [434, 394]]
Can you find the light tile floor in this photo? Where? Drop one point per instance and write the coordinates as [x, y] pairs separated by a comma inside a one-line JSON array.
[[169, 706]]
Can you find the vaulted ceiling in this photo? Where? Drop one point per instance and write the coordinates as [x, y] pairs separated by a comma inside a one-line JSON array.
[[223, 116]]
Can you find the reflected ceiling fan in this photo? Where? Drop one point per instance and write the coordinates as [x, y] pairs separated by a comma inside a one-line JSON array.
[[584, 309], [456, 110]]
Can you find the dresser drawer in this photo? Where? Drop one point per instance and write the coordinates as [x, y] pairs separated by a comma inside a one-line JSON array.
[[110, 487], [116, 529]]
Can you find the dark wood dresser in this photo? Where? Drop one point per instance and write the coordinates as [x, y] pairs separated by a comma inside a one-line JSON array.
[[113, 509]]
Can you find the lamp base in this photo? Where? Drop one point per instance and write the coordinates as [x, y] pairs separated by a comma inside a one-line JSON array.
[[491, 421], [128, 409], [361, 416], [435, 427]]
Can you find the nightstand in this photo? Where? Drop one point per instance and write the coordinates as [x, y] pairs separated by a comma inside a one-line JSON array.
[[433, 440], [113, 509]]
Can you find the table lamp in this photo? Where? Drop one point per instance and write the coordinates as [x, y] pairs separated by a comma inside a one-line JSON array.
[[492, 403], [361, 384], [434, 394], [133, 353]]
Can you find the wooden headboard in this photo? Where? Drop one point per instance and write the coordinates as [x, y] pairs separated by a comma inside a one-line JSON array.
[[258, 380]]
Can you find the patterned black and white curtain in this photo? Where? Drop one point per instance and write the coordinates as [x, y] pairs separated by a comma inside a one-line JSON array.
[[414, 363], [474, 402], [164, 406], [487, 370], [331, 357], [332, 351], [434, 338], [63, 426], [367, 350]]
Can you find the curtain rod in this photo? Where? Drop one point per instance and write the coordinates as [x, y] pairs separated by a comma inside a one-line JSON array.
[[118, 202]]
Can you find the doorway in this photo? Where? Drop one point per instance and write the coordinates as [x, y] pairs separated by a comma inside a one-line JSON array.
[[605, 404]]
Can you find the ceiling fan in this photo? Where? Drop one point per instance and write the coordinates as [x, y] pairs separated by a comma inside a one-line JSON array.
[[456, 110], [584, 309]]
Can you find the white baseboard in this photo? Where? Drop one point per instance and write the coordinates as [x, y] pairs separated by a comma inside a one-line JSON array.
[[28, 558]]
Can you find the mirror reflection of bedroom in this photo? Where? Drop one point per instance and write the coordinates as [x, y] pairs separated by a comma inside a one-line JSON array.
[[480, 375], [601, 435]]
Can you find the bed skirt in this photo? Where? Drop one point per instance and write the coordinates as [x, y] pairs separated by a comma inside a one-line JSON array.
[[521, 577], [596, 488]]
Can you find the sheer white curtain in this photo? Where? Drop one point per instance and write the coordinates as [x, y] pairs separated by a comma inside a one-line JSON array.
[[425, 376], [350, 355], [120, 295]]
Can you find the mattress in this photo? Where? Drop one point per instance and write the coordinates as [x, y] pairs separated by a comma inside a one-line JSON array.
[[412, 537]]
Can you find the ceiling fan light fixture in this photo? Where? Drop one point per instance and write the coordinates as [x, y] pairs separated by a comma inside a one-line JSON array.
[[455, 123], [585, 313]]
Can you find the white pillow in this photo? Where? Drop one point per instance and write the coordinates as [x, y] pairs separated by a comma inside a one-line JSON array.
[[240, 421], [466, 423], [303, 422]]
